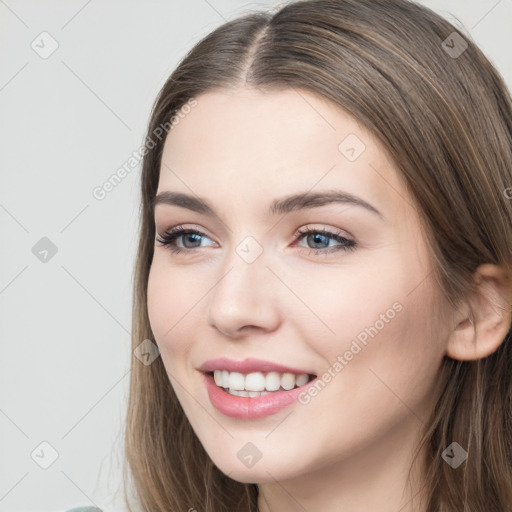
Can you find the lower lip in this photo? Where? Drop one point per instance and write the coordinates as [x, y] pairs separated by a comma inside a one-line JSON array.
[[247, 408]]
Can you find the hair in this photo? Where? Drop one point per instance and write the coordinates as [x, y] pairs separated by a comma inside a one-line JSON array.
[[446, 121]]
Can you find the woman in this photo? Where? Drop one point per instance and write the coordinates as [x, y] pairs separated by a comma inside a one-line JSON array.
[[325, 266]]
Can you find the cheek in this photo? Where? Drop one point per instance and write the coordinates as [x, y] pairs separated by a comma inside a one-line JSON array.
[[343, 304], [170, 307], [375, 331]]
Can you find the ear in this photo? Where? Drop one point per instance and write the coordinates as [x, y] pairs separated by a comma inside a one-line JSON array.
[[484, 320]]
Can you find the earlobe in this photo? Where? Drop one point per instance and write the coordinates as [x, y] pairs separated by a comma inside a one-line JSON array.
[[485, 319]]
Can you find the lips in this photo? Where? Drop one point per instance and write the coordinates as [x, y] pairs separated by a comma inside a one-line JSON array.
[[243, 407], [246, 408], [250, 365]]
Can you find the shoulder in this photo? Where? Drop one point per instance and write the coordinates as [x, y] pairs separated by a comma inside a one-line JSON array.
[[84, 509]]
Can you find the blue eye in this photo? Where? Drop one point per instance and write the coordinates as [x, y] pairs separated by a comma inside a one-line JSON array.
[[320, 236], [169, 238], [317, 237]]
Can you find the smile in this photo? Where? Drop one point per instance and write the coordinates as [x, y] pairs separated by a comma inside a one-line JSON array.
[[257, 384], [250, 405]]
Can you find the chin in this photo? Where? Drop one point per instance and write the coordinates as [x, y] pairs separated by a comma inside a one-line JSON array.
[[266, 469]]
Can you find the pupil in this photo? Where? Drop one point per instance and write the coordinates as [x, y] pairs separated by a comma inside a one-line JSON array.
[[187, 237], [316, 236]]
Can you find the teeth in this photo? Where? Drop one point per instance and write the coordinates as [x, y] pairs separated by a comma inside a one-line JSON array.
[[272, 381], [251, 394], [301, 379], [288, 381], [256, 383], [236, 381], [225, 379]]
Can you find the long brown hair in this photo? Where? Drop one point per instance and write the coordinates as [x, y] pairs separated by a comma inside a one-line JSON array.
[[444, 114]]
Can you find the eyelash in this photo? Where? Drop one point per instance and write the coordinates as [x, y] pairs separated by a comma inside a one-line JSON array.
[[169, 239]]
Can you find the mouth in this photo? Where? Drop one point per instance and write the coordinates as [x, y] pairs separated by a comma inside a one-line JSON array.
[[256, 384]]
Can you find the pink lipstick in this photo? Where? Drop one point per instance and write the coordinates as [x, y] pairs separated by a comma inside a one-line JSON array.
[[244, 407]]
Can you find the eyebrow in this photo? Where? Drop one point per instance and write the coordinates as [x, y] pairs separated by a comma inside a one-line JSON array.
[[300, 201]]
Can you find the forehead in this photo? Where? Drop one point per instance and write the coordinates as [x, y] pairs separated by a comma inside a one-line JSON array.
[[247, 143]]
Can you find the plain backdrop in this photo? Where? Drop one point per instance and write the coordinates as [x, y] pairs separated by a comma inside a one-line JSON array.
[[77, 81]]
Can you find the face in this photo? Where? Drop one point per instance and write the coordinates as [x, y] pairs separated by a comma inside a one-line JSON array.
[[342, 290]]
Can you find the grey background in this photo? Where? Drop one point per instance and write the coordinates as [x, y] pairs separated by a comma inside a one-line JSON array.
[[68, 122]]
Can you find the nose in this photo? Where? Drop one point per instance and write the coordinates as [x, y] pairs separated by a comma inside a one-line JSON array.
[[244, 299]]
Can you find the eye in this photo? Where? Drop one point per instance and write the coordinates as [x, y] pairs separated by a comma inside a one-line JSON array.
[[314, 236], [170, 237], [323, 236]]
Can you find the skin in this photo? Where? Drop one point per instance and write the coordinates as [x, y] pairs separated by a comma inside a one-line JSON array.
[[350, 448]]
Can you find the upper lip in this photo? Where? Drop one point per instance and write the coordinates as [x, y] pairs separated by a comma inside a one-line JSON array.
[[247, 366]]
